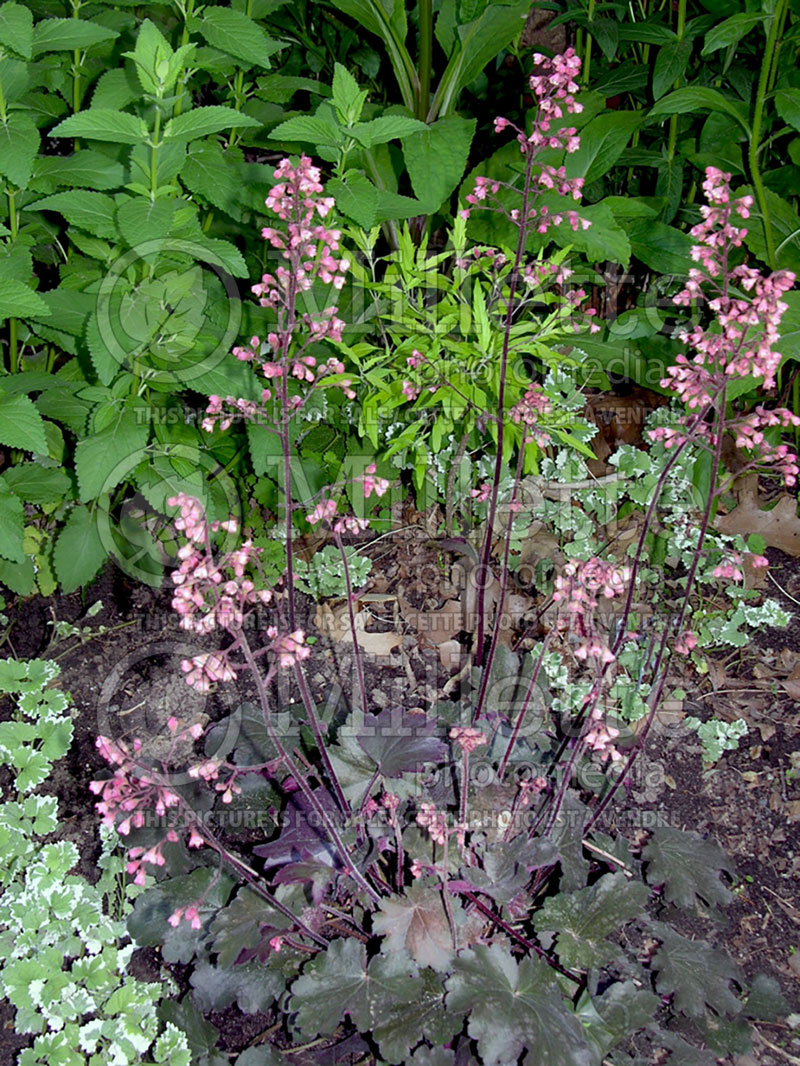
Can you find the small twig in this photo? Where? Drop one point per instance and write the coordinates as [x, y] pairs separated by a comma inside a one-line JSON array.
[[610, 858], [775, 1048]]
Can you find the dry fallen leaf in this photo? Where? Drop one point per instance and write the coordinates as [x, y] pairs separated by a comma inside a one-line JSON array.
[[335, 623], [779, 526]]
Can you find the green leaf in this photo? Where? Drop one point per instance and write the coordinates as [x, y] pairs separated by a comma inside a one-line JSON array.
[[115, 89], [203, 121], [314, 129], [602, 143], [21, 425], [695, 973], [436, 158], [585, 918], [16, 29], [142, 220], [515, 1007], [699, 98], [102, 124], [604, 240], [212, 173], [108, 457], [79, 551], [386, 128], [253, 987], [12, 525], [332, 985], [689, 867], [88, 168], [787, 104], [478, 43], [20, 301], [36, 484], [61, 35], [19, 577], [730, 31], [355, 197], [233, 32], [785, 229], [346, 96], [396, 1023], [662, 248], [387, 19], [92, 211], [670, 64]]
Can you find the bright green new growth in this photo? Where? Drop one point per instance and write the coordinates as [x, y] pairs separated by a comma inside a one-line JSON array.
[[64, 965]]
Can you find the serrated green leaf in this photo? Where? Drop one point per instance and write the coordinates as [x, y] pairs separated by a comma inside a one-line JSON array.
[[21, 425], [515, 1007], [35, 484], [332, 985], [60, 35], [582, 920], [19, 143], [85, 169], [435, 159], [142, 220], [115, 90], [689, 867], [202, 121], [386, 128], [19, 577], [397, 1023], [19, 301], [695, 973], [103, 124], [313, 129], [12, 525], [107, 457], [252, 987], [16, 29], [92, 211], [79, 551], [212, 173], [233, 32]]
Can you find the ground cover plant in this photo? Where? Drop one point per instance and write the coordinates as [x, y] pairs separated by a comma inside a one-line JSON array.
[[423, 885]]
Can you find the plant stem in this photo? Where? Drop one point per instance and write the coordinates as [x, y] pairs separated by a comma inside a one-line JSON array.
[[13, 342], [362, 687], [425, 57], [673, 122], [524, 708], [587, 55], [755, 133], [483, 570], [154, 145], [298, 775]]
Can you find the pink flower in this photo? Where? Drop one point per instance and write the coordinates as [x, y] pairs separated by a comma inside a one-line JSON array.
[[468, 738]]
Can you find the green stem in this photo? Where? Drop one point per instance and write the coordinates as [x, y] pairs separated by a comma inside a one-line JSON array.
[[587, 55], [673, 122], [154, 146], [187, 11], [758, 115], [425, 57], [13, 342]]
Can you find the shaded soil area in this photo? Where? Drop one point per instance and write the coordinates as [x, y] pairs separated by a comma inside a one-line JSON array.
[[126, 682]]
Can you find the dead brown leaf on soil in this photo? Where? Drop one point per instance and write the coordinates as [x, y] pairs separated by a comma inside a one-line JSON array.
[[779, 526]]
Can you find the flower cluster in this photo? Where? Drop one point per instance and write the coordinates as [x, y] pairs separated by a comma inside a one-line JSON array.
[[529, 411], [210, 593], [747, 309], [468, 738], [578, 589], [553, 88], [434, 821]]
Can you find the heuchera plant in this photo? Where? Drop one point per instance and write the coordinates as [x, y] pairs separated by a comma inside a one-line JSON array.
[[440, 883]]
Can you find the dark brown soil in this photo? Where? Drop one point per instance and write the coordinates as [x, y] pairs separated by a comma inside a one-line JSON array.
[[126, 682]]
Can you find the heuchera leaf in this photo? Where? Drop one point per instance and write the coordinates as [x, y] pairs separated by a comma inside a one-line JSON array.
[[695, 973], [515, 1007], [397, 743], [583, 919], [417, 923], [689, 867]]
